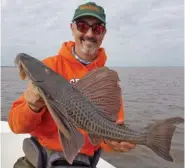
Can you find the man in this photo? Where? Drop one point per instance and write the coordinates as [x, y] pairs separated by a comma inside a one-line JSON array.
[[29, 113]]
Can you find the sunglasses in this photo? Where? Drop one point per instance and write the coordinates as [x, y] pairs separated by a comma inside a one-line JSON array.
[[83, 27]]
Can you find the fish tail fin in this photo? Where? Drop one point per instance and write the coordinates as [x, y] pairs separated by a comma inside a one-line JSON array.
[[160, 135]]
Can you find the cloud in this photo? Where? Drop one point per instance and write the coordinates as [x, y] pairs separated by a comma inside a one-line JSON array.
[[140, 32]]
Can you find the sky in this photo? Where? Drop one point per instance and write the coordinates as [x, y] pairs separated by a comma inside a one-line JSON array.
[[139, 32]]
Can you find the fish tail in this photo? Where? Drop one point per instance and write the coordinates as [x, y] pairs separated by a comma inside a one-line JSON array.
[[159, 136]]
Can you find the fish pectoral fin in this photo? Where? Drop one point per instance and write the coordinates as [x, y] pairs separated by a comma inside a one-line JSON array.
[[59, 116], [72, 146], [101, 87], [94, 139]]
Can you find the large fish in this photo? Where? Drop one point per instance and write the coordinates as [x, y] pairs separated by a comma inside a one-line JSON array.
[[92, 104]]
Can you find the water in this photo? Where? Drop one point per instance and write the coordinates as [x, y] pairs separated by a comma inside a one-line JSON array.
[[149, 94]]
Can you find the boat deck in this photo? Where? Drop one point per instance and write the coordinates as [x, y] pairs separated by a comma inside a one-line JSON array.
[[11, 148]]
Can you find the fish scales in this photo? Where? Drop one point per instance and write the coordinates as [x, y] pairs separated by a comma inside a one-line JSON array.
[[82, 112]]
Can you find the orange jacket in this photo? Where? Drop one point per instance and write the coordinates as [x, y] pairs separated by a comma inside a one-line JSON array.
[[41, 125]]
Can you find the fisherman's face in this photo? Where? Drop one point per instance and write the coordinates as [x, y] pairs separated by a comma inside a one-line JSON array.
[[87, 40]]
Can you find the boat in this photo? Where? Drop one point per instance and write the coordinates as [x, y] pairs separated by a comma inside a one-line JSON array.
[[11, 148]]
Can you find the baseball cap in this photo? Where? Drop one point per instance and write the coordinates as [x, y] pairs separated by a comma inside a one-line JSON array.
[[90, 9]]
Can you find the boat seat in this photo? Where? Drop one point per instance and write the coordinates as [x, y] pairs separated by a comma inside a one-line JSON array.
[[35, 152], [38, 157]]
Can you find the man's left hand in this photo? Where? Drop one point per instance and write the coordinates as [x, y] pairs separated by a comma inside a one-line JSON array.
[[122, 146]]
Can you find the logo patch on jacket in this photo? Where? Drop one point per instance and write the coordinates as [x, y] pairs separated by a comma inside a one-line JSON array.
[[74, 80]]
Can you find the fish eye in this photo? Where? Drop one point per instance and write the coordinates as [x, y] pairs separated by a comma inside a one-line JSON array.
[[49, 96]]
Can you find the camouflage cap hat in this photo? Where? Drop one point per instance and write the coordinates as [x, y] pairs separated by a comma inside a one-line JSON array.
[[90, 9]]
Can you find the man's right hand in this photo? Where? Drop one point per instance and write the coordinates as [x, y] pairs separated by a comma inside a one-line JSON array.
[[33, 98]]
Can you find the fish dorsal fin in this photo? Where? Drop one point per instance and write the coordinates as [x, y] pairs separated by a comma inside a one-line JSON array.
[[101, 87]]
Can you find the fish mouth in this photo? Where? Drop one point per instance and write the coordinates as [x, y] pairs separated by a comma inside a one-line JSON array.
[[24, 73]]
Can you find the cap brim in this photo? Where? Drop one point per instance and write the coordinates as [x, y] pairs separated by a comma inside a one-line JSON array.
[[89, 14]]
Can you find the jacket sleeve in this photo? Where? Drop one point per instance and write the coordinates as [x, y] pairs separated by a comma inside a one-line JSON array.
[[105, 146], [21, 118]]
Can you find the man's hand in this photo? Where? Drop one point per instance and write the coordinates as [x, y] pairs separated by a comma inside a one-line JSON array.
[[122, 146], [33, 98]]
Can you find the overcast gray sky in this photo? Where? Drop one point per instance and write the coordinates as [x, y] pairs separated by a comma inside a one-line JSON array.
[[140, 32]]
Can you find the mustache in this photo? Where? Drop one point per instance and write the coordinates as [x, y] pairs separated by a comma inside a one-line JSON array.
[[91, 39]]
